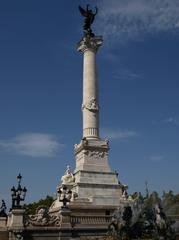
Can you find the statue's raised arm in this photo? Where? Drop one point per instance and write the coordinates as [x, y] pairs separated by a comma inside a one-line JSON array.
[[89, 18]]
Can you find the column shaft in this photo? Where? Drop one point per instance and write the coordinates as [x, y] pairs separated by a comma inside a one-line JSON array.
[[90, 105], [90, 96]]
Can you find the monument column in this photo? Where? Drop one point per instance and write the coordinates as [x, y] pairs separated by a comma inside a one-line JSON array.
[[92, 152], [90, 106], [94, 182]]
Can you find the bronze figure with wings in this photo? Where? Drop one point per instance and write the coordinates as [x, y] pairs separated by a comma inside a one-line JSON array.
[[89, 18]]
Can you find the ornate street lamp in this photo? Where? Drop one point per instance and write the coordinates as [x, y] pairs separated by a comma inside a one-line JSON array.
[[64, 195], [18, 194], [3, 209]]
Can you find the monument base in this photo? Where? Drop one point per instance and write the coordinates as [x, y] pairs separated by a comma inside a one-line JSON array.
[[94, 179]]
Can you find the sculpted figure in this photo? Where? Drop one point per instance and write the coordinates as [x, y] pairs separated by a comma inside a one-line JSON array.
[[92, 105], [68, 177], [41, 214], [160, 217], [125, 194], [89, 18]]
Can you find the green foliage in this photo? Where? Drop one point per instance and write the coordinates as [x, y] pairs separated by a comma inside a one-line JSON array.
[[152, 221], [170, 203], [31, 207], [127, 215], [153, 199]]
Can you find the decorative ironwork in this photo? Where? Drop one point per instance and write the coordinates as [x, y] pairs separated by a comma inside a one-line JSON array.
[[3, 209], [18, 194], [65, 195], [18, 235]]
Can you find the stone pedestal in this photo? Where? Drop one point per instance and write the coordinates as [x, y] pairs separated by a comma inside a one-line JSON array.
[[15, 224], [94, 179], [3, 222], [16, 218], [65, 218], [92, 155]]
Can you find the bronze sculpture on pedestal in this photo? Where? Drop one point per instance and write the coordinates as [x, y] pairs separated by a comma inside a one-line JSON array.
[[89, 18]]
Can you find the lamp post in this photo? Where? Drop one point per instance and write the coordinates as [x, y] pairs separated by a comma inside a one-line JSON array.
[[18, 194], [64, 195], [3, 209]]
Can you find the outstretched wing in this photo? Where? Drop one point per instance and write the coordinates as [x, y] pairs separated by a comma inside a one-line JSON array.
[[82, 11], [96, 10]]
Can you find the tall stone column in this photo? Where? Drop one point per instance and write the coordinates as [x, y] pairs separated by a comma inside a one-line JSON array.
[[94, 180], [92, 152], [90, 106]]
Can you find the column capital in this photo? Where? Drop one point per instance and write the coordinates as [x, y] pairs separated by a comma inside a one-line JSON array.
[[90, 43]]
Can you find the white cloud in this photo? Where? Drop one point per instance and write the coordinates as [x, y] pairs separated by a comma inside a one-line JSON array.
[[118, 134], [32, 144], [126, 74], [156, 158], [130, 19], [172, 120]]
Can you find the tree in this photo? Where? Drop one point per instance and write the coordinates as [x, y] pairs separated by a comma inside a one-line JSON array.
[[127, 218], [170, 203], [151, 222], [30, 208]]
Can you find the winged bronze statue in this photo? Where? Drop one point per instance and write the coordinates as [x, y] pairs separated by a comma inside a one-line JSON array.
[[89, 18]]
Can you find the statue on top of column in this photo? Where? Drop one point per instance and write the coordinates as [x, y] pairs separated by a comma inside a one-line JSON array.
[[89, 18]]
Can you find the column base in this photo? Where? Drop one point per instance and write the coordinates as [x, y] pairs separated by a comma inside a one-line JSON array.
[[91, 133], [92, 155]]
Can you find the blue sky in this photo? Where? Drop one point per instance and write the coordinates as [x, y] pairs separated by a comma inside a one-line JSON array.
[[41, 91]]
